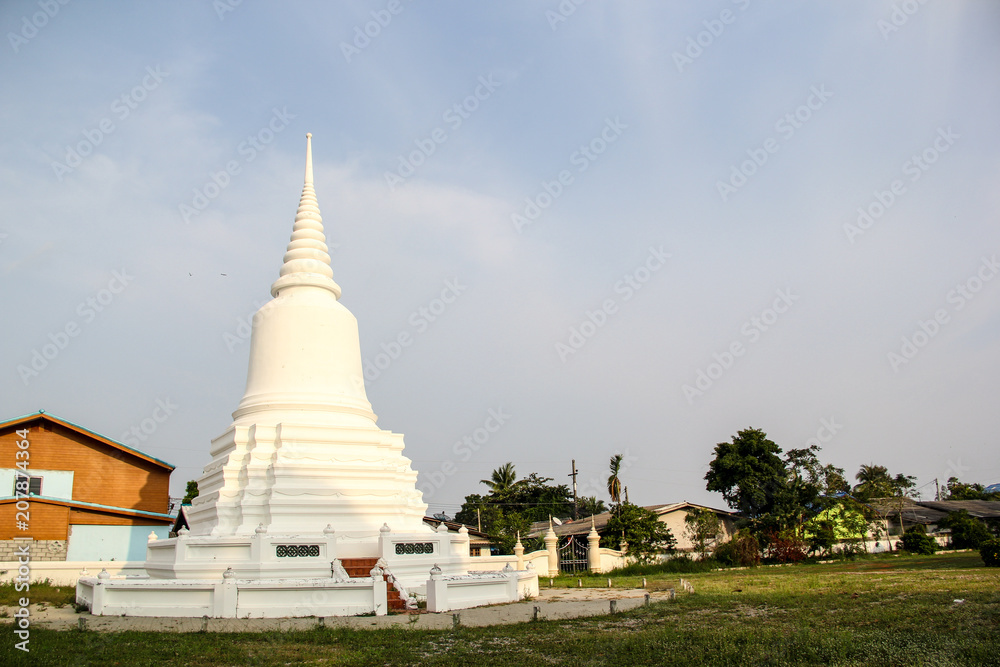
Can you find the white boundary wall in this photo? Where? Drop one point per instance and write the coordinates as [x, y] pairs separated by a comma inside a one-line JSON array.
[[66, 573]]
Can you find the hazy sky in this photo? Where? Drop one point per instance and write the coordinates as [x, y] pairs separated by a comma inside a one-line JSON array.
[[608, 227]]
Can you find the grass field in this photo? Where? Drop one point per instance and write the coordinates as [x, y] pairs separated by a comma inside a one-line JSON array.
[[886, 611]]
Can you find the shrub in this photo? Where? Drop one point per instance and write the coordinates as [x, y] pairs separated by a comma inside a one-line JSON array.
[[990, 552], [850, 550], [725, 553], [742, 550], [917, 541], [967, 532], [747, 549], [680, 564], [786, 547]]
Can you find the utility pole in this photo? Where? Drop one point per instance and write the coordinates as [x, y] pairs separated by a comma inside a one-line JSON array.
[[626, 495], [937, 494], [573, 475], [479, 521]]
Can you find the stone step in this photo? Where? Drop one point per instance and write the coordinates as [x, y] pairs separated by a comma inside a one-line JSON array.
[[361, 567], [358, 567]]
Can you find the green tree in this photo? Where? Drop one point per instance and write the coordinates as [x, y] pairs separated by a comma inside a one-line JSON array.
[[749, 473], [190, 493], [806, 481], [511, 508], [967, 532], [615, 484], [506, 528], [537, 499], [591, 506], [821, 536], [647, 536], [704, 528], [876, 482], [873, 482], [502, 478], [959, 491]]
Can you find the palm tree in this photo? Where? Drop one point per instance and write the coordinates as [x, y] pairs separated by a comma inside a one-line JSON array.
[[874, 482], [615, 484], [502, 478]]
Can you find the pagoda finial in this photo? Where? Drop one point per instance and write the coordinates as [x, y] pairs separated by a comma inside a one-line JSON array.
[[309, 158], [307, 258]]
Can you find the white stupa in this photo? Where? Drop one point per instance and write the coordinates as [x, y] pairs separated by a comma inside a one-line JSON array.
[[303, 489], [304, 450]]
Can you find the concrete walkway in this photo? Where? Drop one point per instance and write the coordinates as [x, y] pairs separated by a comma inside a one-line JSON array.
[[552, 603]]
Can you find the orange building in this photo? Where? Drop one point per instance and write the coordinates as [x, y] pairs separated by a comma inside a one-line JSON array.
[[89, 497]]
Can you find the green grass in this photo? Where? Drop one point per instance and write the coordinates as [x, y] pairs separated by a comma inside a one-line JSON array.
[[39, 593], [884, 611]]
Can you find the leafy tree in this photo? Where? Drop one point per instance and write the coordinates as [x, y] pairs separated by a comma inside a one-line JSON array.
[[615, 484], [478, 511], [834, 481], [511, 508], [967, 532], [821, 537], [903, 484], [806, 481], [704, 528], [959, 491], [506, 529], [860, 520], [591, 506], [749, 473], [502, 478], [537, 499], [190, 493], [647, 536], [850, 522]]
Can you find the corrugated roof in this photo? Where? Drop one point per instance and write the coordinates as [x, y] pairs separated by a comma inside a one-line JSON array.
[[984, 509]]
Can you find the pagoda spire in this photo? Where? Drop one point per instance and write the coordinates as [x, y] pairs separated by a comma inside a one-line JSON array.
[[307, 257]]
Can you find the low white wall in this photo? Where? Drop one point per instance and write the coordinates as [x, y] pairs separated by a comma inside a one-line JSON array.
[[66, 573], [232, 598], [475, 590], [612, 559], [539, 559]]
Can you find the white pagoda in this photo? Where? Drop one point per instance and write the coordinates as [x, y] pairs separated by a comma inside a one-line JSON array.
[[307, 507]]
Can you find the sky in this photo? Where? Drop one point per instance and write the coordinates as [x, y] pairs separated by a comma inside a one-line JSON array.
[[598, 227]]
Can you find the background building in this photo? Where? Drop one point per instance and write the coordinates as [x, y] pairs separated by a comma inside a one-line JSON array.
[[92, 498]]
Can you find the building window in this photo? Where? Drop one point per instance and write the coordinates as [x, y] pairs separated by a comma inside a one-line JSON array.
[[31, 485]]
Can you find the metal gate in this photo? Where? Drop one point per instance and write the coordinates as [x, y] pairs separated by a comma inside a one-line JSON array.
[[573, 555]]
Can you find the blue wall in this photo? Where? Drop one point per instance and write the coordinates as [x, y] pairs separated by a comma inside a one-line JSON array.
[[111, 542]]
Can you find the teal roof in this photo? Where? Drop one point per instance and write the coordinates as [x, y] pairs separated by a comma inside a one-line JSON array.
[[158, 515]]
